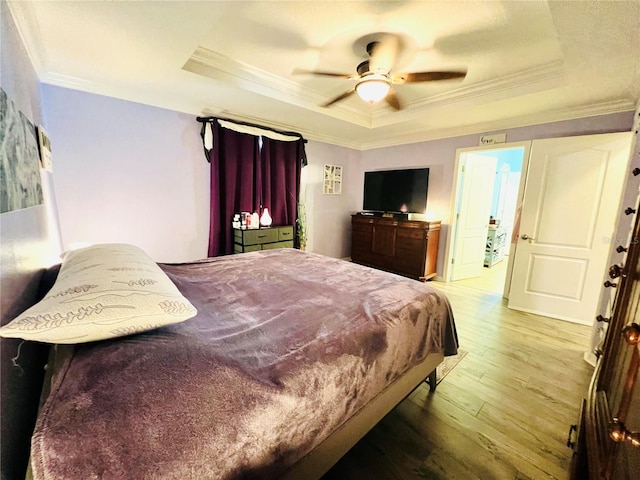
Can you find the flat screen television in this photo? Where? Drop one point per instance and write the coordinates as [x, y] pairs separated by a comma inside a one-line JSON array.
[[396, 191]]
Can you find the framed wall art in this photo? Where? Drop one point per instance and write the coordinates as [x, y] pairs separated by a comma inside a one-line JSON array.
[[332, 180], [20, 184]]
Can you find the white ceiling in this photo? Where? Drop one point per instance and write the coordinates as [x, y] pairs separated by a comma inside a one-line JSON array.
[[528, 61]]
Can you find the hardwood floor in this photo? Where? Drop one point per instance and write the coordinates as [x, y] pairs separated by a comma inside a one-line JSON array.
[[503, 412]]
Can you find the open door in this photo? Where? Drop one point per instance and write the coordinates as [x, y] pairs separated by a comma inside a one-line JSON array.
[[472, 218], [570, 205]]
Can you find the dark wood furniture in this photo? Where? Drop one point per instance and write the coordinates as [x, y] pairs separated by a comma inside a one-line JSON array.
[[606, 440], [405, 247], [252, 240]]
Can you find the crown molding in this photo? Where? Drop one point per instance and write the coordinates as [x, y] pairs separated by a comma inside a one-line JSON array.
[[523, 82], [307, 134], [571, 113], [219, 67], [26, 21], [68, 81], [415, 136], [75, 83], [533, 76]]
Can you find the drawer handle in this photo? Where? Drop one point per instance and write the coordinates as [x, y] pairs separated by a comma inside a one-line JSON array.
[[631, 333], [618, 433], [617, 271], [261, 236]]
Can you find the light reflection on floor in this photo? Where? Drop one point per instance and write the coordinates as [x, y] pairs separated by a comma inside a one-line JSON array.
[[491, 280]]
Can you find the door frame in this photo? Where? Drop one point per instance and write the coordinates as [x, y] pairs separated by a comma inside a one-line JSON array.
[[457, 177]]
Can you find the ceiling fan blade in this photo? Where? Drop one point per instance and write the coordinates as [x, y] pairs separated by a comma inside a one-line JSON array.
[[427, 76], [339, 97], [384, 53], [393, 100], [299, 71]]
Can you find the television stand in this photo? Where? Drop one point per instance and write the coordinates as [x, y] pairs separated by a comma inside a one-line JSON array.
[[405, 247]]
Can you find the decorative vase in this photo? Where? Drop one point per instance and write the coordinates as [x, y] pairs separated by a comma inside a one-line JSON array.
[[265, 219]]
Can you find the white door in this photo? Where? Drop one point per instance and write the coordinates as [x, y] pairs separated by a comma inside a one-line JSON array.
[[472, 220], [571, 201]]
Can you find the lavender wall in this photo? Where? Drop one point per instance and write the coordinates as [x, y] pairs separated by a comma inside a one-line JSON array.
[[135, 173], [28, 243], [329, 221], [127, 172], [439, 156]]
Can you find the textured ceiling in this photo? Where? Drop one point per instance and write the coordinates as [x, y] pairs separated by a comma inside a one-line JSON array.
[[528, 61]]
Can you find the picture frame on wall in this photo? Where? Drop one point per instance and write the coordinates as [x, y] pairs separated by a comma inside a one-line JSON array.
[[20, 182], [44, 145], [332, 184]]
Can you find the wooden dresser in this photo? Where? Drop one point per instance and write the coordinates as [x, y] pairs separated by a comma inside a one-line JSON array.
[[251, 240], [405, 247], [606, 439]]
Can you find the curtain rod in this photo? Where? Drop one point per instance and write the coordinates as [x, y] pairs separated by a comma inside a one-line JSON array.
[[282, 132]]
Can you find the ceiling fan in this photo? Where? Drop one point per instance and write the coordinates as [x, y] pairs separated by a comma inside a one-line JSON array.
[[374, 76]]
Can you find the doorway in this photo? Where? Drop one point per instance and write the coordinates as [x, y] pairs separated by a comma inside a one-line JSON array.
[[558, 258], [478, 252], [571, 202]]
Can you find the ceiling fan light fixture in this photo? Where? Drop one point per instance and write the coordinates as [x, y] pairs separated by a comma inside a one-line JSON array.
[[373, 88]]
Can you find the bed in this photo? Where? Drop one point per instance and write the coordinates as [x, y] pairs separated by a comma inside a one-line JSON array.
[[291, 358]]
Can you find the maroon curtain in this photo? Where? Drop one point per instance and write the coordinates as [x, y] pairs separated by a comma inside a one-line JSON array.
[[281, 164], [234, 168], [247, 178]]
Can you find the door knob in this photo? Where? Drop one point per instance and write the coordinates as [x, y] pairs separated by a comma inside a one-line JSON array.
[[524, 236]]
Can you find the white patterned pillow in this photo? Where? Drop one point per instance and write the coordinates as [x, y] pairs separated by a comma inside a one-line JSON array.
[[101, 292]]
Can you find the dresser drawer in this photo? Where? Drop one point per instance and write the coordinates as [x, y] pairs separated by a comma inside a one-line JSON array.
[[263, 239], [271, 246], [413, 244], [255, 237], [414, 233], [285, 234], [237, 248]]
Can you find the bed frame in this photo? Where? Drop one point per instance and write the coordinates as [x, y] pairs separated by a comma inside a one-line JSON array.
[[335, 446], [320, 460]]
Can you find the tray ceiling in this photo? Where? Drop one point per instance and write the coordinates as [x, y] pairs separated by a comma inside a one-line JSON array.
[[528, 62]]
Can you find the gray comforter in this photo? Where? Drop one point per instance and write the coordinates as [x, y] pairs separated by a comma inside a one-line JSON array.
[[286, 347]]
